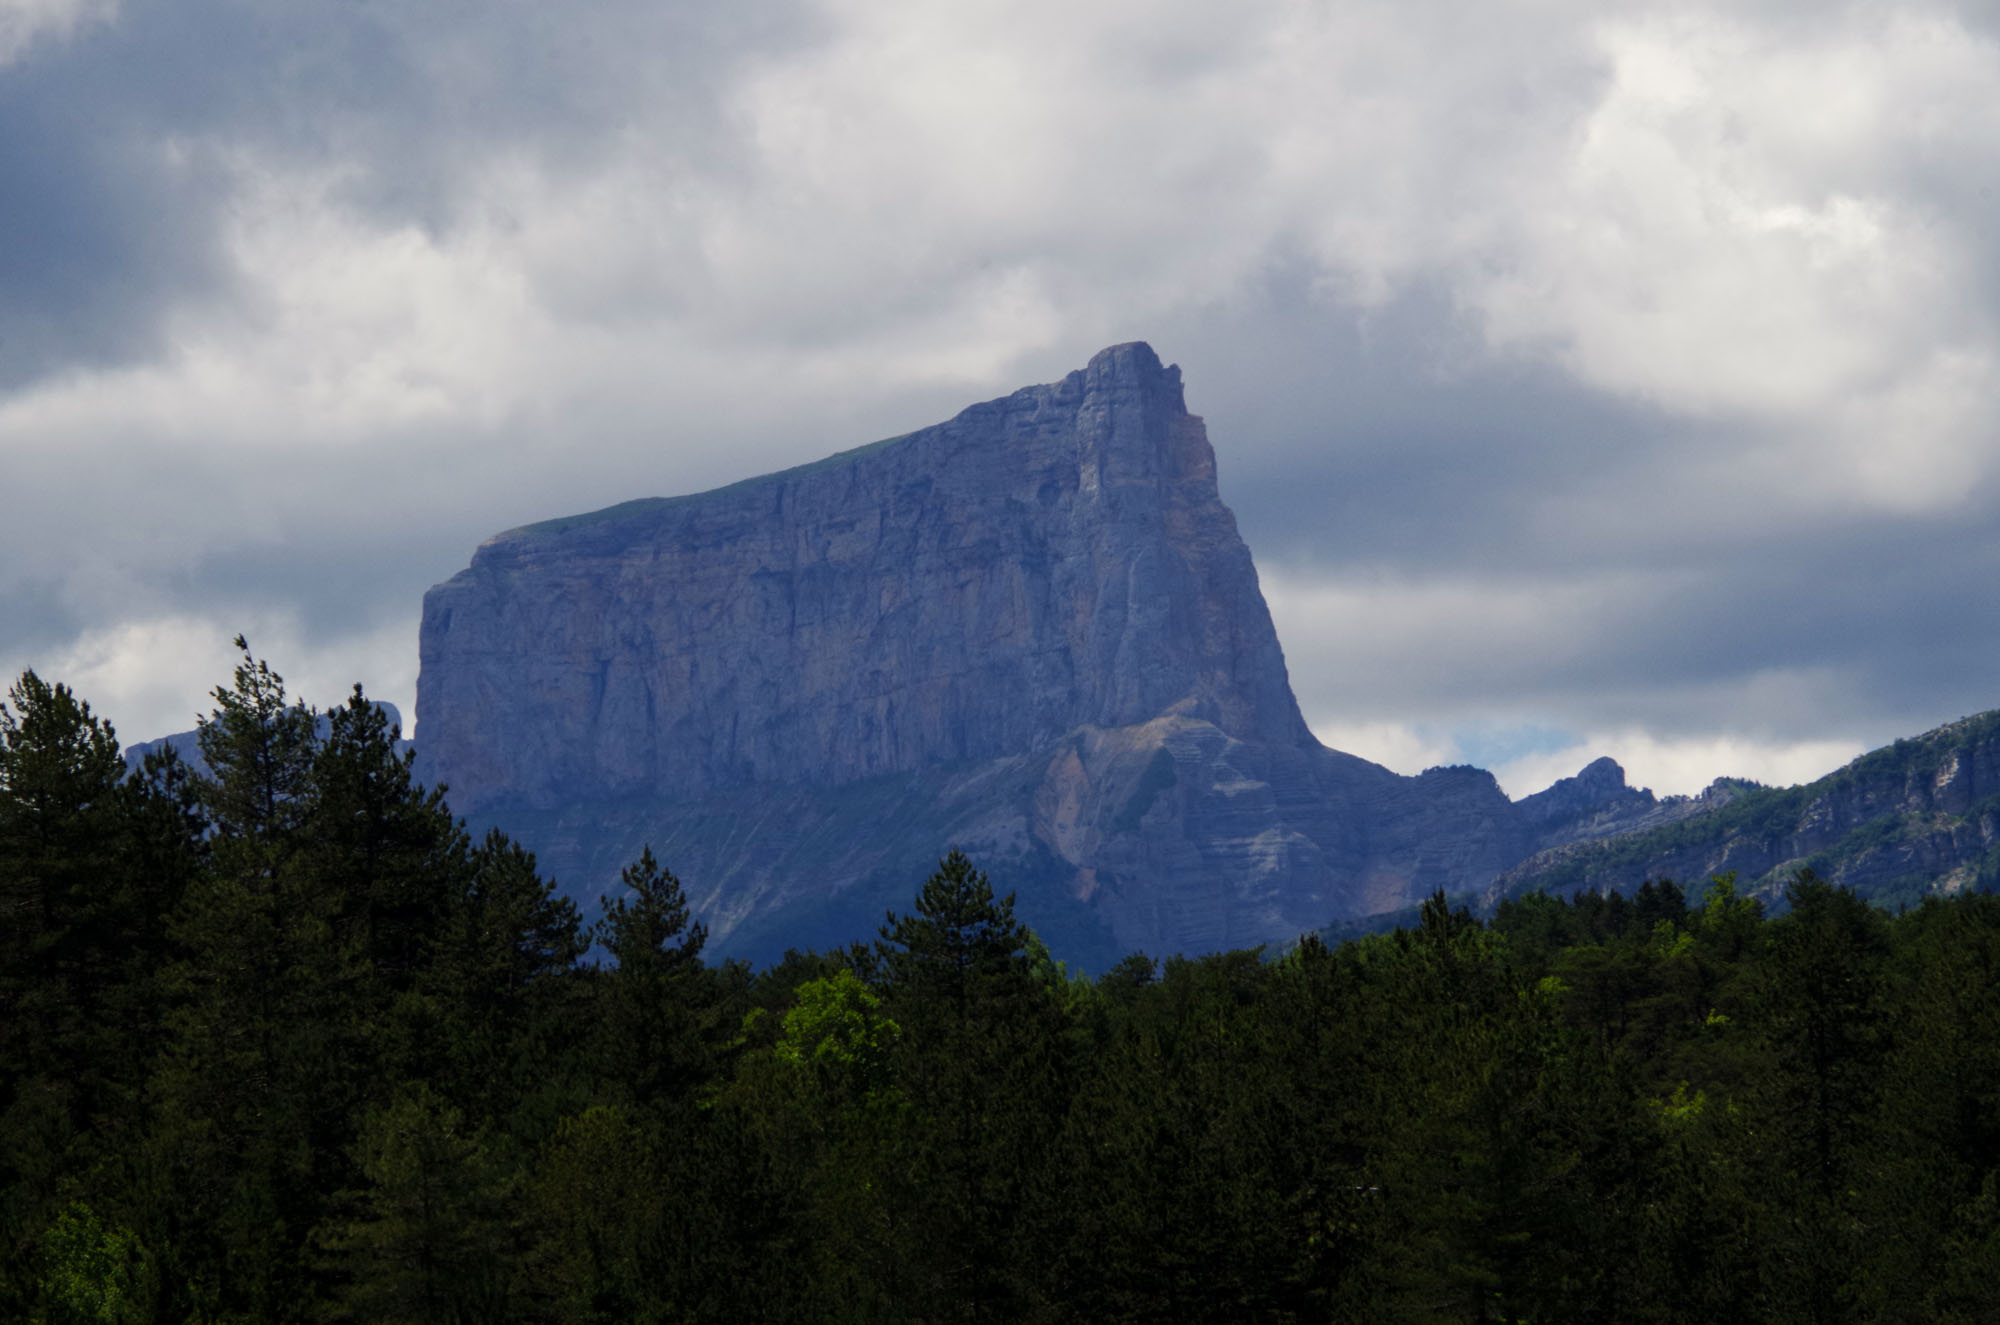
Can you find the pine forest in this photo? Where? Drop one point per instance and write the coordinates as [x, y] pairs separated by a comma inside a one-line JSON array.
[[281, 1042]]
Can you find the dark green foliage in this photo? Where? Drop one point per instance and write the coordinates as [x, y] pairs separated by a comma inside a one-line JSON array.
[[426, 1237], [494, 1018], [90, 863], [980, 1059], [282, 1044], [959, 948], [652, 1026]]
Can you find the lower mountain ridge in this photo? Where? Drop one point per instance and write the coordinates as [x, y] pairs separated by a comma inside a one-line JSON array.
[[1917, 817]]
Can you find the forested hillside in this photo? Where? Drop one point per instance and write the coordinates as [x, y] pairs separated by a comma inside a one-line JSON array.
[[284, 1044]]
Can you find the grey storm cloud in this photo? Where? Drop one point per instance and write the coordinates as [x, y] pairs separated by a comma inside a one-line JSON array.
[[98, 235], [1584, 381], [118, 143]]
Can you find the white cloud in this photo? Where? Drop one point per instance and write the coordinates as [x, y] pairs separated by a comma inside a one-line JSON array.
[[1697, 207], [25, 23], [1668, 765], [1703, 208], [1399, 746], [1744, 228], [152, 677], [1680, 765], [1480, 657]]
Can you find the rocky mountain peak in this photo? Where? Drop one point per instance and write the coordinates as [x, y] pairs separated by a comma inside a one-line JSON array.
[[1596, 789], [1602, 778], [1056, 558]]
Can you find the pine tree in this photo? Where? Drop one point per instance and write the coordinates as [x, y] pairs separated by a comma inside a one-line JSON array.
[[70, 933], [960, 947], [61, 821], [253, 1091], [259, 750], [504, 989], [647, 931], [983, 1061], [427, 1237], [1815, 996], [387, 849], [655, 1013]]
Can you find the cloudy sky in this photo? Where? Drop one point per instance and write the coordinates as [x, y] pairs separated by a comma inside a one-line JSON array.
[[1586, 378]]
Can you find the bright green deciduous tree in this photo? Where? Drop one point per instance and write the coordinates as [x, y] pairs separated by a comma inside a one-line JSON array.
[[93, 1273], [837, 1028]]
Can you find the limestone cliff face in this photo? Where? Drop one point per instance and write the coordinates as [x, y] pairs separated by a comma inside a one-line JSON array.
[[1054, 559], [1032, 632]]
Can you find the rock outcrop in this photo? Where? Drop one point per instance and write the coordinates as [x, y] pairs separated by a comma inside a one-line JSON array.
[[1032, 631], [1919, 816]]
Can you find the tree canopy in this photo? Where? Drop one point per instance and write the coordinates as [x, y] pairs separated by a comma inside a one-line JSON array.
[[281, 1041]]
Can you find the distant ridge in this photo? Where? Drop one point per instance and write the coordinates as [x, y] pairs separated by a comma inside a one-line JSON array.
[[1912, 818]]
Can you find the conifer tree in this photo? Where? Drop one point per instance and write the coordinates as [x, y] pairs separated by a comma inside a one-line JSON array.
[[252, 1091], [388, 850], [982, 1060], [503, 985], [427, 1236], [74, 938], [655, 1016], [60, 829]]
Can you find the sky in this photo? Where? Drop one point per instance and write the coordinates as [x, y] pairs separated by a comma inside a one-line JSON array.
[[1586, 378]]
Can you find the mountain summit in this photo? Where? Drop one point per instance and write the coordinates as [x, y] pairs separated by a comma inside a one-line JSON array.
[[1052, 560], [1032, 631]]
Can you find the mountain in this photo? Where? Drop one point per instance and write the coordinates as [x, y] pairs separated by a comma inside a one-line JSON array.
[[1032, 631], [1919, 816], [187, 744]]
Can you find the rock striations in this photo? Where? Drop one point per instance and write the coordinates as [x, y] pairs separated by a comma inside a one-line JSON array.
[[1032, 631]]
